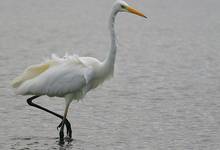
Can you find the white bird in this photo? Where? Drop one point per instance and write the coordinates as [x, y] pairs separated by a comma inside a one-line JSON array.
[[70, 77]]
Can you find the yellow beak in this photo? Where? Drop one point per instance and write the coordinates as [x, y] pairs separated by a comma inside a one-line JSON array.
[[134, 11]]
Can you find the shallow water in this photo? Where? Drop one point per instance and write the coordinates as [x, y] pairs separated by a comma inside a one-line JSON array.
[[165, 90]]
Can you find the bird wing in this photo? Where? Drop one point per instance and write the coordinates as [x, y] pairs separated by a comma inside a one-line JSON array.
[[29, 73], [35, 70], [58, 81]]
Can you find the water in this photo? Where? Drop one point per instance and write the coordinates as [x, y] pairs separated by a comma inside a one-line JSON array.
[[165, 91]]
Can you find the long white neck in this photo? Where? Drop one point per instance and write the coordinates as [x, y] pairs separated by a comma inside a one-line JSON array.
[[110, 59]]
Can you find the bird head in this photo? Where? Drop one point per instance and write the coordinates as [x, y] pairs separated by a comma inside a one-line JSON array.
[[122, 6]]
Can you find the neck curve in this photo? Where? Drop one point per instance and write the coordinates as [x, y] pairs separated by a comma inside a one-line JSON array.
[[110, 59]]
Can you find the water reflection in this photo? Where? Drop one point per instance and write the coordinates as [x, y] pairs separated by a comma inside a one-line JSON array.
[[50, 143]]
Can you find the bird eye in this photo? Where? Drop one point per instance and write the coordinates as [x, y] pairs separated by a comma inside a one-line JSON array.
[[122, 6]]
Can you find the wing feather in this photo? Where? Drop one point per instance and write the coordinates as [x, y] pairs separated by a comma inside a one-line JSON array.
[[58, 77], [30, 73], [35, 70], [57, 81]]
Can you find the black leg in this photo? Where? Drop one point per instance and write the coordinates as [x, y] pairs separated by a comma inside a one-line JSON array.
[[66, 122], [61, 142], [64, 118]]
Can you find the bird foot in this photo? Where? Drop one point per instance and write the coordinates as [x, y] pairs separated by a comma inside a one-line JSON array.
[[68, 139], [69, 131], [61, 141]]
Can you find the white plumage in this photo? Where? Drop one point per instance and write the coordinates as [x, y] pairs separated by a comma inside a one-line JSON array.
[[61, 76], [70, 77]]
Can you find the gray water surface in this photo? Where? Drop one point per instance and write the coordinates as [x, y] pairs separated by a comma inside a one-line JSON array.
[[165, 94]]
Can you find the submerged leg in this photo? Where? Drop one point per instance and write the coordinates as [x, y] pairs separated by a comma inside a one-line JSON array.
[[65, 121]]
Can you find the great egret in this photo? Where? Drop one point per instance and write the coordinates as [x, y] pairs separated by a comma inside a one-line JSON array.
[[70, 77]]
